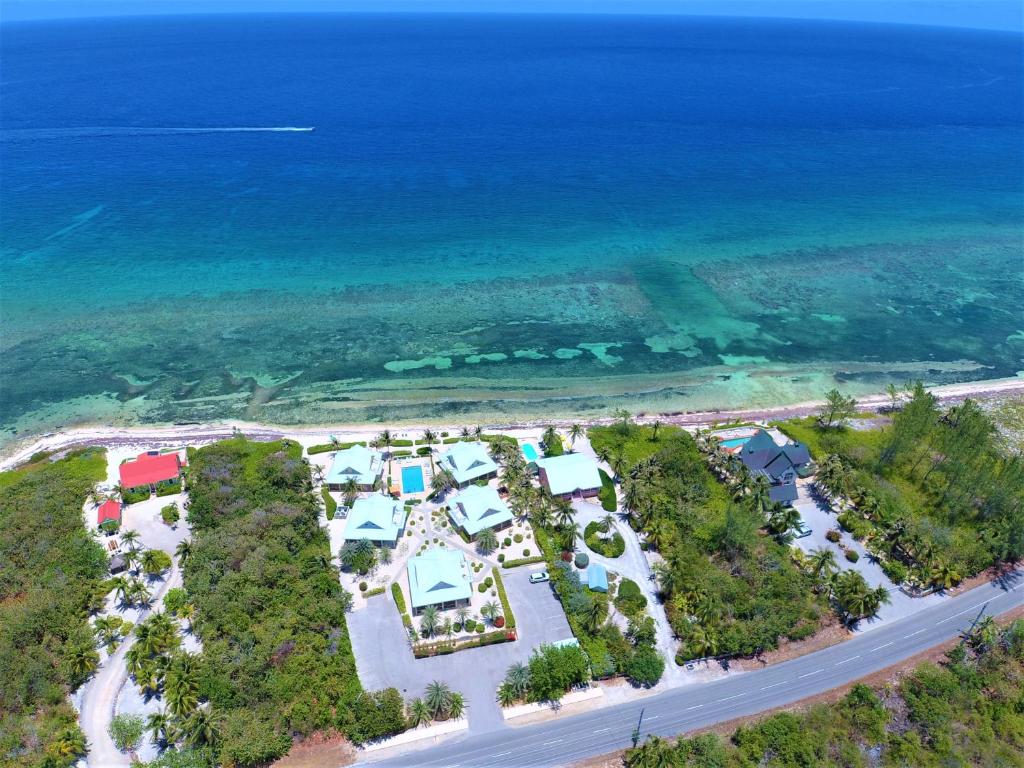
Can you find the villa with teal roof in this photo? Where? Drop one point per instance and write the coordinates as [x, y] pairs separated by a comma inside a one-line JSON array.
[[479, 507], [376, 518], [468, 462], [572, 474], [358, 463], [439, 577]]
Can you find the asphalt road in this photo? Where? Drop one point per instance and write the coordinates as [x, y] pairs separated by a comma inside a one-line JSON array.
[[684, 709]]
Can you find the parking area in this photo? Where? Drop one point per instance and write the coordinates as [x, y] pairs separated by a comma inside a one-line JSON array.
[[384, 658]]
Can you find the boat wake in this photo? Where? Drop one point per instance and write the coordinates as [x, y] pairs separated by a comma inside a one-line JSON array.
[[99, 131]]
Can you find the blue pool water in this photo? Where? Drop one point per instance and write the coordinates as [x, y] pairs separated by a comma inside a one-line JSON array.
[[529, 452], [412, 479], [735, 442]]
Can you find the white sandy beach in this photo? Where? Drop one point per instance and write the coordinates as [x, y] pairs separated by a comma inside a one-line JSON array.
[[151, 436]]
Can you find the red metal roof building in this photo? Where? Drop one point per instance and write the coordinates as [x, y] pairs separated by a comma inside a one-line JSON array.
[[150, 469], [109, 510]]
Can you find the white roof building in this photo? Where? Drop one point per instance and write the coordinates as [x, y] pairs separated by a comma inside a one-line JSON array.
[[479, 507], [376, 518], [569, 474], [468, 462], [357, 463]]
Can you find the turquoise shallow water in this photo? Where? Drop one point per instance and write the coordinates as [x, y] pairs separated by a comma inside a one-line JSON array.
[[499, 217]]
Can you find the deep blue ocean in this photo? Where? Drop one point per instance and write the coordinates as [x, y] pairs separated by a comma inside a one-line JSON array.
[[499, 216]]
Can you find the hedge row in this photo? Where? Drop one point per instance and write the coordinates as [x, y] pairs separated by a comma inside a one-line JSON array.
[[330, 447], [607, 493], [330, 505], [506, 609], [424, 650], [168, 489], [522, 561], [374, 592], [396, 592]]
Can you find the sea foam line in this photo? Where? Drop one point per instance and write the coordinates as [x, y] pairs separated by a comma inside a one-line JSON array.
[[60, 133]]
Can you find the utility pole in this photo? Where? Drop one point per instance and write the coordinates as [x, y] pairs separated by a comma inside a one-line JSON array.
[[636, 731]]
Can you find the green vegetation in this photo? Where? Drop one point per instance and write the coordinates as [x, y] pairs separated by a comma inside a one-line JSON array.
[[523, 561], [330, 505], [326, 447], [169, 488], [965, 712], [170, 514], [51, 578], [728, 589], [595, 535], [629, 599], [126, 731], [135, 495], [552, 672], [270, 611], [934, 491], [506, 609], [607, 493]]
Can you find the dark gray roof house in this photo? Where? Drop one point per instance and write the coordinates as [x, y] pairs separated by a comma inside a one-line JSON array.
[[778, 464], [118, 563]]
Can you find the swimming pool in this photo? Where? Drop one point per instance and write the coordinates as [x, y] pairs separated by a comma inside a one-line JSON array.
[[412, 479], [735, 442], [529, 452]]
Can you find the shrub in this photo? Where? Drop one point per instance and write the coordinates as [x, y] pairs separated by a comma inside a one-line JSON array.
[[645, 667], [613, 547], [518, 538], [851, 555], [169, 514], [470, 625], [895, 570], [526, 553], [135, 495], [363, 586], [505, 607], [567, 557], [501, 557], [424, 451], [629, 599], [330, 505], [175, 599], [479, 629], [522, 561], [168, 489], [126, 731], [374, 592], [499, 622], [582, 560], [489, 582], [506, 542], [457, 626], [481, 587], [607, 493], [832, 536]]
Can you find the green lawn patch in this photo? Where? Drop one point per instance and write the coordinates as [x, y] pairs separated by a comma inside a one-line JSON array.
[[607, 493]]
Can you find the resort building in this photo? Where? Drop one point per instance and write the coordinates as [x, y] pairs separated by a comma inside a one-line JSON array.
[[109, 513], [597, 577], [150, 470], [479, 507], [357, 463], [468, 462], [439, 577], [375, 518], [118, 563], [571, 474], [780, 465]]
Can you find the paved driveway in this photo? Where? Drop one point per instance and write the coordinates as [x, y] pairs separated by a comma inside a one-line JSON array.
[[384, 659]]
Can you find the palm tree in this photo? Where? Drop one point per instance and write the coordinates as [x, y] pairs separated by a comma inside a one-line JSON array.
[[419, 712], [655, 427], [702, 642], [604, 455], [518, 679], [447, 630], [760, 501], [478, 431], [486, 541], [184, 552], [462, 615], [550, 437], [442, 482], [506, 696], [130, 539], [200, 728], [575, 432], [69, 745], [944, 575], [457, 708], [159, 725], [429, 620], [823, 563], [984, 635], [429, 436], [464, 432], [438, 697], [385, 438], [570, 535], [607, 524], [490, 611], [564, 513], [655, 752], [155, 562], [594, 615], [318, 474], [782, 520], [120, 586], [83, 660]]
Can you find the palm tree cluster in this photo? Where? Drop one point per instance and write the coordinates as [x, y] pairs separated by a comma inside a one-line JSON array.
[[439, 702], [161, 668], [111, 630], [848, 591], [515, 687], [130, 591]]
